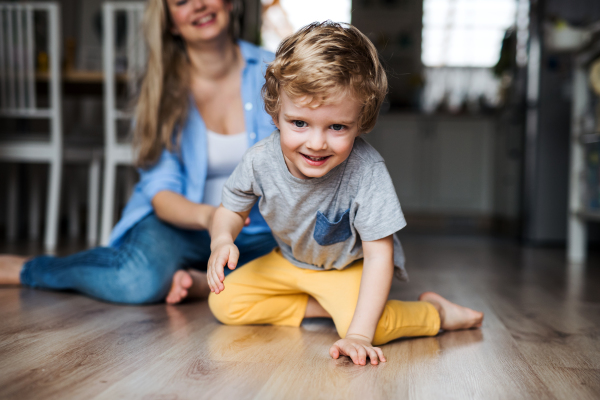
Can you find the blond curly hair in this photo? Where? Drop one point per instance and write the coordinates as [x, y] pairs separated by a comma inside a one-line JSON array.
[[322, 61]]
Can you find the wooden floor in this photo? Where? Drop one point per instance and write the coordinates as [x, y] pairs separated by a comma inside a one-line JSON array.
[[540, 339]]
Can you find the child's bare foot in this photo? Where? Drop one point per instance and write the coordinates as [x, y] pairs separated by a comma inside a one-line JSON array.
[[10, 269], [187, 284], [453, 316]]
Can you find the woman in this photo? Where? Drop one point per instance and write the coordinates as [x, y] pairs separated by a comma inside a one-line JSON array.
[[199, 109]]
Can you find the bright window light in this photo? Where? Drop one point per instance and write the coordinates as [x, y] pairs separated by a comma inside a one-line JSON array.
[[465, 33], [303, 12], [284, 17]]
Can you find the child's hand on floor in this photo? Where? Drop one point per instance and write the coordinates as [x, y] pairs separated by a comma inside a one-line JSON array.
[[357, 348], [225, 254]]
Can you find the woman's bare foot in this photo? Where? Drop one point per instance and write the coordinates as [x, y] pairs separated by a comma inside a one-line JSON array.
[[453, 316], [10, 269], [188, 284]]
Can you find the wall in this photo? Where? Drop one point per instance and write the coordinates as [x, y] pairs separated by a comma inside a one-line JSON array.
[[549, 113], [395, 26], [440, 165]]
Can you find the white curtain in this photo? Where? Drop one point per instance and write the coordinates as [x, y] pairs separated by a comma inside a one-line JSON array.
[[459, 86]]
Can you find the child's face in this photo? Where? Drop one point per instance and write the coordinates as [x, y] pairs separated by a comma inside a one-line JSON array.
[[316, 140]]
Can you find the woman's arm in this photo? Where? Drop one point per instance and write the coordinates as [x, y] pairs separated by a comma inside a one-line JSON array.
[[175, 209], [378, 271], [164, 184]]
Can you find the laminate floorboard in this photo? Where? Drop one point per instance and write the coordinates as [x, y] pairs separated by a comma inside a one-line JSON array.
[[540, 339]]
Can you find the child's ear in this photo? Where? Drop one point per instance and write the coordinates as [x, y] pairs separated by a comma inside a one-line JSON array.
[[276, 122]]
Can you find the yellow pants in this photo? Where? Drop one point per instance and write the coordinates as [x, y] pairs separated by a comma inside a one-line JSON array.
[[271, 290]]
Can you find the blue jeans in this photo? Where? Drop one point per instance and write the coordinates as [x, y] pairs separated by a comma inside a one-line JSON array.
[[141, 269]]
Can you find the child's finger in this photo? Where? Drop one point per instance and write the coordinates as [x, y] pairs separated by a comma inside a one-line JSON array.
[[211, 284], [334, 351], [373, 356], [208, 274], [352, 353], [362, 355], [220, 279], [380, 354], [212, 278], [216, 281], [211, 268], [220, 276], [234, 256], [221, 263]]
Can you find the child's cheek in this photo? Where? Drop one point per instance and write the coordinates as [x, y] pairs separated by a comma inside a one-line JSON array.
[[341, 145]]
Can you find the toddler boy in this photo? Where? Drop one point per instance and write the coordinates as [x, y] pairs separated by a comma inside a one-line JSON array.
[[330, 203]]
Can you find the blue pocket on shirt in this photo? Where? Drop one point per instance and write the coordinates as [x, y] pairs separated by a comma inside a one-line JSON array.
[[327, 233]]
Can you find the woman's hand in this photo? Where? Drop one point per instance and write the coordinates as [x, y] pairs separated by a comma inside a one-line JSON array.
[[358, 348], [222, 255]]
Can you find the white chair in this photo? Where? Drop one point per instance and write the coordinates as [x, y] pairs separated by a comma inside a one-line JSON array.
[[18, 100], [118, 153], [91, 156]]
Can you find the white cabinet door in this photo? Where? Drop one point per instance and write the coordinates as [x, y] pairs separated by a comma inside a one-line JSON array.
[[438, 165], [397, 138], [461, 166]]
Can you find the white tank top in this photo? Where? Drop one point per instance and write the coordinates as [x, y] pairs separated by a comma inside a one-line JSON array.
[[224, 154]]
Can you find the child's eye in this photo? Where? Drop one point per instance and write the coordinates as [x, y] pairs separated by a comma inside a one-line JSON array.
[[337, 127], [181, 2], [299, 124]]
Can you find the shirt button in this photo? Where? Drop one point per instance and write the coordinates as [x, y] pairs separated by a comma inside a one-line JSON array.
[[248, 106], [253, 136]]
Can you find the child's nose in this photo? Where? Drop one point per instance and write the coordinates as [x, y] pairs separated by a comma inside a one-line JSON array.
[[317, 140]]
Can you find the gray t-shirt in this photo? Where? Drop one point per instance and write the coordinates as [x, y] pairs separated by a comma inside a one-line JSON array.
[[319, 223]]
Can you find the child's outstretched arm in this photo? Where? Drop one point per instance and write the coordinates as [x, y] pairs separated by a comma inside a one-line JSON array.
[[378, 271], [225, 227]]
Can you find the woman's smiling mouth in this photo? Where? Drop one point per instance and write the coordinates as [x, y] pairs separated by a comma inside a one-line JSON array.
[[204, 20]]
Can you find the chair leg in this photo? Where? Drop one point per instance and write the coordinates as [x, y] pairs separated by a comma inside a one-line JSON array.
[[13, 192], [108, 198], [73, 211], [35, 203], [52, 211], [93, 197]]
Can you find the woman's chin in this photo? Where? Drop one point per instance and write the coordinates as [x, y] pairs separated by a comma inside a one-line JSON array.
[[206, 37], [210, 32]]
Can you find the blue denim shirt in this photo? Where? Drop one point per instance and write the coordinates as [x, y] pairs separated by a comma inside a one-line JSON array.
[[185, 172]]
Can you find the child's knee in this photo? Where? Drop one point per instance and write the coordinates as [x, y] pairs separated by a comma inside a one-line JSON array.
[[223, 307], [218, 305]]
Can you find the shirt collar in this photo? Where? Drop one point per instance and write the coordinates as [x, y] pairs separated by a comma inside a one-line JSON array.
[[250, 52]]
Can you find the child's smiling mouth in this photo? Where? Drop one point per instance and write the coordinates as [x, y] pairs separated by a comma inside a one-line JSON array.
[[315, 161]]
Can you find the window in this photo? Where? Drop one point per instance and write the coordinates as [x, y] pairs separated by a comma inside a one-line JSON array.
[[281, 18], [465, 33]]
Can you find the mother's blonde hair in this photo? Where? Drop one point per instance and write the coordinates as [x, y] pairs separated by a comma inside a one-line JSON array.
[[163, 101]]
